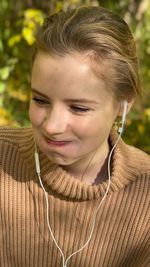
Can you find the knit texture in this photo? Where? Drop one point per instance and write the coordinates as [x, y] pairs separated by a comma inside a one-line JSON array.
[[121, 236]]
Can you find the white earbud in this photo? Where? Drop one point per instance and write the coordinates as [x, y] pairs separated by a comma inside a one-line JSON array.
[[121, 127]]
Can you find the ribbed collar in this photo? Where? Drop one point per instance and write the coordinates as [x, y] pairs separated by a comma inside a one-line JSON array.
[[125, 168]]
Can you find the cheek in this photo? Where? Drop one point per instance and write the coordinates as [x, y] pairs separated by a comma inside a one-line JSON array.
[[36, 115], [87, 129], [96, 128]]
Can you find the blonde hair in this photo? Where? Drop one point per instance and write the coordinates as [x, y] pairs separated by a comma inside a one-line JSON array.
[[104, 35]]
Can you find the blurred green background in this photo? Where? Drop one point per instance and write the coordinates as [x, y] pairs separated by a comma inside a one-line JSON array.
[[18, 24]]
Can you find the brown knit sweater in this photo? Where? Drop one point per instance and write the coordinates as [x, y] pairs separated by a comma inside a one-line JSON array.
[[121, 236]]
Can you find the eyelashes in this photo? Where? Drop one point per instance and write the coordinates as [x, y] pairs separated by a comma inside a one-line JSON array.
[[74, 108], [79, 109], [40, 101]]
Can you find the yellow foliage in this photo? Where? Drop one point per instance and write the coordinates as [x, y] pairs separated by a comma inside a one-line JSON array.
[[14, 39], [141, 128], [4, 73], [4, 121], [32, 18], [147, 112], [34, 14], [28, 35], [18, 95], [75, 1], [30, 24], [3, 112], [59, 6], [2, 88], [148, 50], [4, 117]]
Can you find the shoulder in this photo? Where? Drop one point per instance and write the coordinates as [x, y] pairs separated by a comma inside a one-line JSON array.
[[137, 165], [16, 141], [16, 148], [131, 163], [132, 159], [15, 136], [138, 158]]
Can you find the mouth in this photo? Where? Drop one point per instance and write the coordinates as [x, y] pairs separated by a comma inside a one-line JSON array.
[[58, 143]]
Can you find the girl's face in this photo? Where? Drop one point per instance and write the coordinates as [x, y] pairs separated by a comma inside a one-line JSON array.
[[71, 110]]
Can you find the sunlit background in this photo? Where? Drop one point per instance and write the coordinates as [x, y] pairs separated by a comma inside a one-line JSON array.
[[18, 24]]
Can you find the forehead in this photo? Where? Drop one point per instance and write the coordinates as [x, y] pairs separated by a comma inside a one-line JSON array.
[[71, 74], [67, 65]]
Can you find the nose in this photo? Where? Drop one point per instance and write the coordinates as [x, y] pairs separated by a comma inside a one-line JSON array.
[[56, 121]]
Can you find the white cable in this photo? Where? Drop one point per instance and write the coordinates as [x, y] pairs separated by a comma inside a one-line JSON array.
[[37, 163]]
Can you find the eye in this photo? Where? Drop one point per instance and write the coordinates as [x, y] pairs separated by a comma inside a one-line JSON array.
[[40, 101], [78, 109]]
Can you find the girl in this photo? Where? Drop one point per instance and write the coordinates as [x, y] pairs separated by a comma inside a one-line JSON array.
[[72, 193]]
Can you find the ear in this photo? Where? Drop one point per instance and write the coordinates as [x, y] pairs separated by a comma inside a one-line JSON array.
[[129, 105]]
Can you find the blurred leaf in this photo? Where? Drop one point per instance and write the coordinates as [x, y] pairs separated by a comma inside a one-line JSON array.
[[2, 87], [12, 61], [141, 128], [4, 117], [32, 18], [4, 73], [34, 14], [14, 39], [28, 35], [1, 46], [18, 95], [147, 112], [3, 112]]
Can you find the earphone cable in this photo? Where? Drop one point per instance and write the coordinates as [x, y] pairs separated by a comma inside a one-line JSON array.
[[37, 163]]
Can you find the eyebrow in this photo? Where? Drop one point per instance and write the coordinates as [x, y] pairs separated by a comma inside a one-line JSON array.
[[81, 100]]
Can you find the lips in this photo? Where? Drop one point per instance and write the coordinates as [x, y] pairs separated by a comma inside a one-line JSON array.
[[56, 142]]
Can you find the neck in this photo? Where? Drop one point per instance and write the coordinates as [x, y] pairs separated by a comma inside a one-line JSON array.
[[91, 167]]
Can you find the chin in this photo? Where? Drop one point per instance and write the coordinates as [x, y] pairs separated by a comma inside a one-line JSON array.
[[59, 160]]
